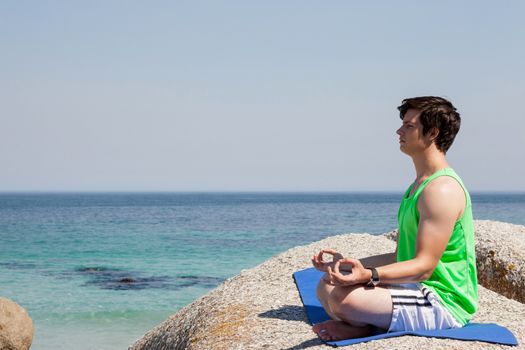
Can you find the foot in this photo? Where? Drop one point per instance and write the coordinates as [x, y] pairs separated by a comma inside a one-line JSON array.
[[338, 330]]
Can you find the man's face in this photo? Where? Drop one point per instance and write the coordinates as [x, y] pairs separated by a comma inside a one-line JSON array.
[[411, 139]]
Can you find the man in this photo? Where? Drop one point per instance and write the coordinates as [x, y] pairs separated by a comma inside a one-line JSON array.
[[430, 281]]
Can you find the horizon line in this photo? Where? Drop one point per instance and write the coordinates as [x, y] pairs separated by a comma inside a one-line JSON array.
[[237, 191]]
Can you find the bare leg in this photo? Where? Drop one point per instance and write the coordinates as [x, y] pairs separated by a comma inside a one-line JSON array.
[[362, 306], [338, 330], [354, 310], [323, 294]]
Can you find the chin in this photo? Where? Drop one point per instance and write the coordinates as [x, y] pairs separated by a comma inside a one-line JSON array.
[[403, 150]]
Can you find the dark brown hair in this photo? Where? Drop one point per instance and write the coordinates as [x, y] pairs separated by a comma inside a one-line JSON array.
[[436, 112]]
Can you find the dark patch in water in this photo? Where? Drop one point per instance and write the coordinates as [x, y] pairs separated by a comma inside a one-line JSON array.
[[16, 265], [110, 278], [202, 281], [91, 269], [129, 283], [127, 280], [116, 279]]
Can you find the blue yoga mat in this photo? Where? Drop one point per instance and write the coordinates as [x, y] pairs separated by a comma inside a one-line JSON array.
[[306, 281]]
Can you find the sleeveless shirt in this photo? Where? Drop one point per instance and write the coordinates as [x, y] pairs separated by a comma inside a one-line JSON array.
[[454, 279]]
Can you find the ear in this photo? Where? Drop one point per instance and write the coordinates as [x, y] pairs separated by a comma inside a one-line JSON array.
[[434, 134]]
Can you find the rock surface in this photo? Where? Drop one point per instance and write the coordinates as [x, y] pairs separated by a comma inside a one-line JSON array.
[[16, 327], [261, 309], [500, 254]]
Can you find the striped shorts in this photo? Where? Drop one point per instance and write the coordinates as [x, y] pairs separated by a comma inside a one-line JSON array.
[[417, 308]]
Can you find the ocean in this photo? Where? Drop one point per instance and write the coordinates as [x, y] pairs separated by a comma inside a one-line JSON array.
[[98, 270]]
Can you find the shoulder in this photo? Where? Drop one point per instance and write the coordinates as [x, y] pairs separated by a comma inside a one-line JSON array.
[[442, 196]]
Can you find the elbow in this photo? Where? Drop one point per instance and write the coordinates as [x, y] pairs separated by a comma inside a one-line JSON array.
[[426, 275], [426, 271]]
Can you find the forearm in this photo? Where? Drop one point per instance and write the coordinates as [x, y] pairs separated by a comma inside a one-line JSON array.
[[409, 271], [379, 260]]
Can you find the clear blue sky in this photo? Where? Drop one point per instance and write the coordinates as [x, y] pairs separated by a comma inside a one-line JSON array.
[[245, 95]]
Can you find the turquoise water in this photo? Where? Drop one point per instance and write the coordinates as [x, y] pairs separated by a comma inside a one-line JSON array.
[[69, 258]]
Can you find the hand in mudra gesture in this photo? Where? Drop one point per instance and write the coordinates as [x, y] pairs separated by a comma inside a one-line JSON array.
[[321, 265], [358, 274]]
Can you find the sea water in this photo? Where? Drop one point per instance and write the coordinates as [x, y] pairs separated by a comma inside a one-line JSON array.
[[98, 270]]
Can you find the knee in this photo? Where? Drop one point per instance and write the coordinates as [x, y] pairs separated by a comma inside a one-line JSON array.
[[344, 294], [343, 301]]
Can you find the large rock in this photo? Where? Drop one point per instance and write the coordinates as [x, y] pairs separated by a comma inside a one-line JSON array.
[[500, 254], [261, 309], [16, 327]]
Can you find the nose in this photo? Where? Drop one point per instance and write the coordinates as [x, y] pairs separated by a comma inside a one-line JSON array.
[[399, 131]]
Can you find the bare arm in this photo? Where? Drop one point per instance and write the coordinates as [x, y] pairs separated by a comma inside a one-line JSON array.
[[440, 205], [379, 260]]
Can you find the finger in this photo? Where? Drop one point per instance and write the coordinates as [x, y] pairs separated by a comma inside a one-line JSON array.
[[339, 279], [330, 273], [342, 280], [336, 273], [335, 278], [330, 251], [337, 266], [320, 256], [319, 261], [335, 254], [316, 264], [347, 278], [338, 282]]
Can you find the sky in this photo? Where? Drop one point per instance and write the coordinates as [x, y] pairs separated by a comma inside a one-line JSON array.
[[253, 95]]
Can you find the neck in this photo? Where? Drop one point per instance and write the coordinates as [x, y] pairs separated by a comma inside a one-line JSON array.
[[428, 162]]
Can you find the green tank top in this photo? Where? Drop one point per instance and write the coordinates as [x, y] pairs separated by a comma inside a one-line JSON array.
[[454, 279]]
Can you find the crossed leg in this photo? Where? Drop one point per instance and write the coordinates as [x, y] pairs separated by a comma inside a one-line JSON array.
[[354, 311]]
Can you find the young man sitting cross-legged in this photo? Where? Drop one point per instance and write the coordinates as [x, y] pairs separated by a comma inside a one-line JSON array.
[[430, 281]]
